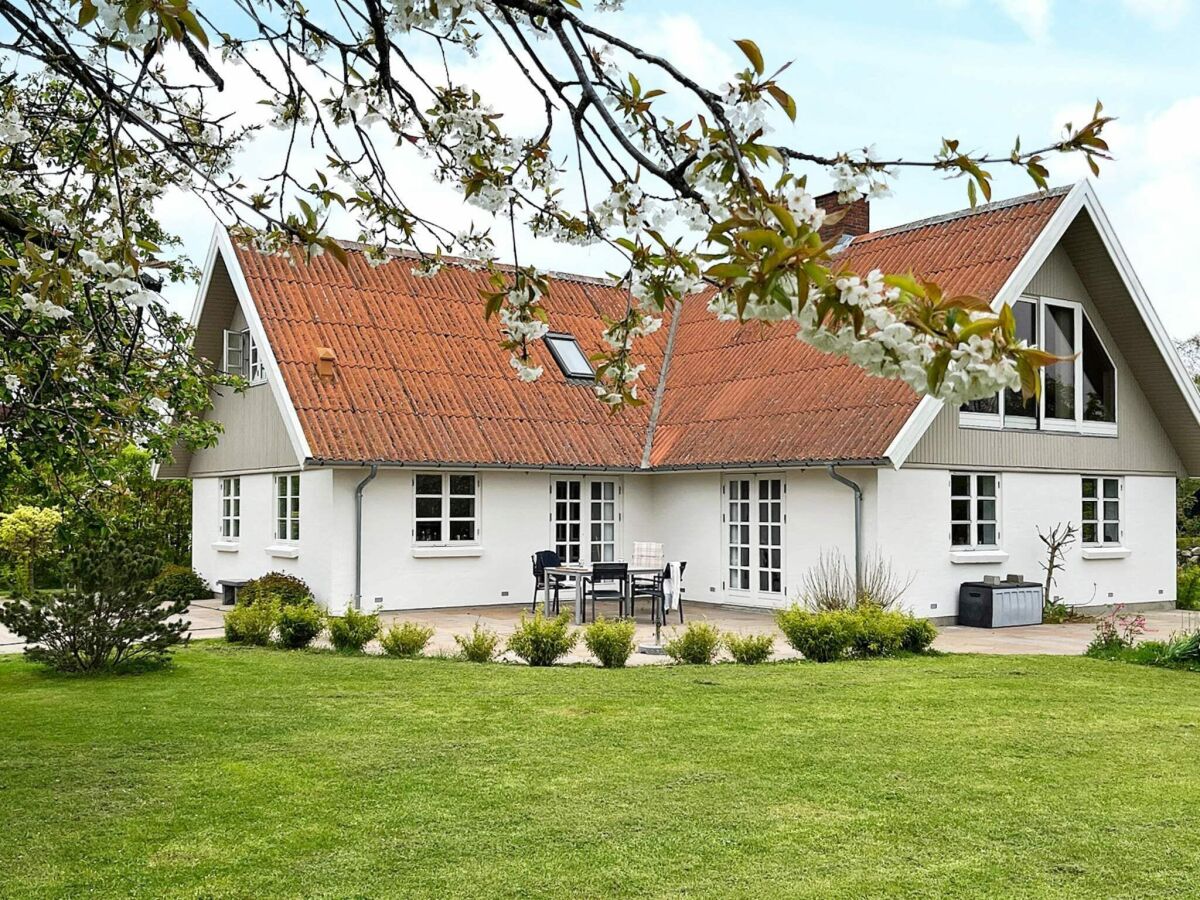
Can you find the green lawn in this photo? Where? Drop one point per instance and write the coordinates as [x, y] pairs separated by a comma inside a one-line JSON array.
[[255, 772]]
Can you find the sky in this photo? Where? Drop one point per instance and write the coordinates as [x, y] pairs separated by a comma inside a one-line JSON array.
[[902, 77]]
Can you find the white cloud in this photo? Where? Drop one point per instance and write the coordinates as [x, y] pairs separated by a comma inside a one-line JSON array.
[[1032, 16], [1161, 13]]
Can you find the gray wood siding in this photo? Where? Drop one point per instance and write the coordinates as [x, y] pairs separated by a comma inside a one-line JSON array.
[[255, 436], [1141, 444]]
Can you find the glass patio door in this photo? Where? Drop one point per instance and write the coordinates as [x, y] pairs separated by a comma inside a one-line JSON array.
[[753, 522], [584, 517]]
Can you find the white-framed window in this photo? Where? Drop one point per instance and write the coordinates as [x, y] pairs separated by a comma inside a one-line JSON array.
[[754, 520], [231, 508], [1078, 394], [585, 517], [1101, 511], [445, 508], [241, 357], [287, 507], [974, 510]]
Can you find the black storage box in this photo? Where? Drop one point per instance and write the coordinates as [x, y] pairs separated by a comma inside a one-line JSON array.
[[984, 605]]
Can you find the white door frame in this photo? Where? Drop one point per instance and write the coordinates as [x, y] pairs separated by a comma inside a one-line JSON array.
[[585, 512], [776, 521]]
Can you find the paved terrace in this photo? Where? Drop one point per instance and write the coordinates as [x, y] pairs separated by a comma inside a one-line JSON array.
[[1069, 639]]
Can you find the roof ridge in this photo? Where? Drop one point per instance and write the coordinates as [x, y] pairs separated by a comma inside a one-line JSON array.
[[966, 213]]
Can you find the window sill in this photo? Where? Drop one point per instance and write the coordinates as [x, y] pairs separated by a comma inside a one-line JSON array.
[[1105, 552], [975, 557], [445, 552], [226, 546], [284, 551]]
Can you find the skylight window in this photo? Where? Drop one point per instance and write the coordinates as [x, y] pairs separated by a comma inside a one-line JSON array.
[[570, 356]]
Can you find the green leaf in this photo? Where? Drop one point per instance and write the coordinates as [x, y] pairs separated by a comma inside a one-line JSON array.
[[753, 54]]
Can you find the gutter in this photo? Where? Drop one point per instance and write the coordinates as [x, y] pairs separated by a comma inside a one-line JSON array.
[[358, 506], [568, 468], [858, 532]]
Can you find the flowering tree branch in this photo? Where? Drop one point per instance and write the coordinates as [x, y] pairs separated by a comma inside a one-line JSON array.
[[686, 181]]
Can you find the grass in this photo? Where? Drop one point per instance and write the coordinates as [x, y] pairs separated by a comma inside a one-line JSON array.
[[253, 773]]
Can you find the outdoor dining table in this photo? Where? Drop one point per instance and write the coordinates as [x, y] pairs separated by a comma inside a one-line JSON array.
[[581, 571]]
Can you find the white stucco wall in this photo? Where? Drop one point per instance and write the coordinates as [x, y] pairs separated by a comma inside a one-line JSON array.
[[251, 557], [906, 515], [913, 518]]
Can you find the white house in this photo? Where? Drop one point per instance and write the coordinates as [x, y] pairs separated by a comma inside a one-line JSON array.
[[385, 451]]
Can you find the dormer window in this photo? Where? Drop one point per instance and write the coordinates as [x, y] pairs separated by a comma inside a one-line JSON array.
[[242, 357], [570, 356], [1078, 394]]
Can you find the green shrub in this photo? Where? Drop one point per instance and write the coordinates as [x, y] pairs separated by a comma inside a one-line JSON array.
[[878, 632], [1181, 648], [610, 641], [406, 639], [478, 646], [176, 583], [289, 589], [819, 636], [252, 624], [298, 625], [353, 630], [696, 646], [1187, 587], [541, 641], [749, 649], [919, 634]]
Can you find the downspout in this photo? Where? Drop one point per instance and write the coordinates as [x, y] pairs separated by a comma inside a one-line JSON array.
[[358, 503], [858, 535]]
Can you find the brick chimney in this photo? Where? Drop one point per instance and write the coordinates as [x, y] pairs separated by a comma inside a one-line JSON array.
[[856, 221]]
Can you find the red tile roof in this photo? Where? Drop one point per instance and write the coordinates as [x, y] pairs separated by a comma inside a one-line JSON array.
[[419, 376]]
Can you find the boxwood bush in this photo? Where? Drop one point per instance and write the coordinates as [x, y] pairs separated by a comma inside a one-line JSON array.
[[180, 583], [610, 641], [541, 641], [298, 625], [288, 589], [353, 630], [749, 649], [406, 640], [252, 624], [697, 645], [865, 631], [478, 646]]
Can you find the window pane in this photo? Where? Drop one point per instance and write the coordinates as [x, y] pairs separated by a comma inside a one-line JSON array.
[[986, 485], [960, 534], [1089, 532], [960, 510], [570, 356], [985, 405], [1089, 510], [986, 510], [429, 507], [1111, 512], [960, 485], [1099, 379], [462, 484], [295, 530], [987, 534], [462, 530], [1111, 488], [1059, 322], [1025, 314], [429, 484], [429, 531], [462, 507], [1089, 487], [1112, 533]]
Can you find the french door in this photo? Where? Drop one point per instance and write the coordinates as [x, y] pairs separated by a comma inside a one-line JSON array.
[[584, 515], [753, 522]]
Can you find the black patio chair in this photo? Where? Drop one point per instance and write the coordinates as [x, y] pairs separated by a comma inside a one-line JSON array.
[[652, 586], [606, 573], [542, 560]]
